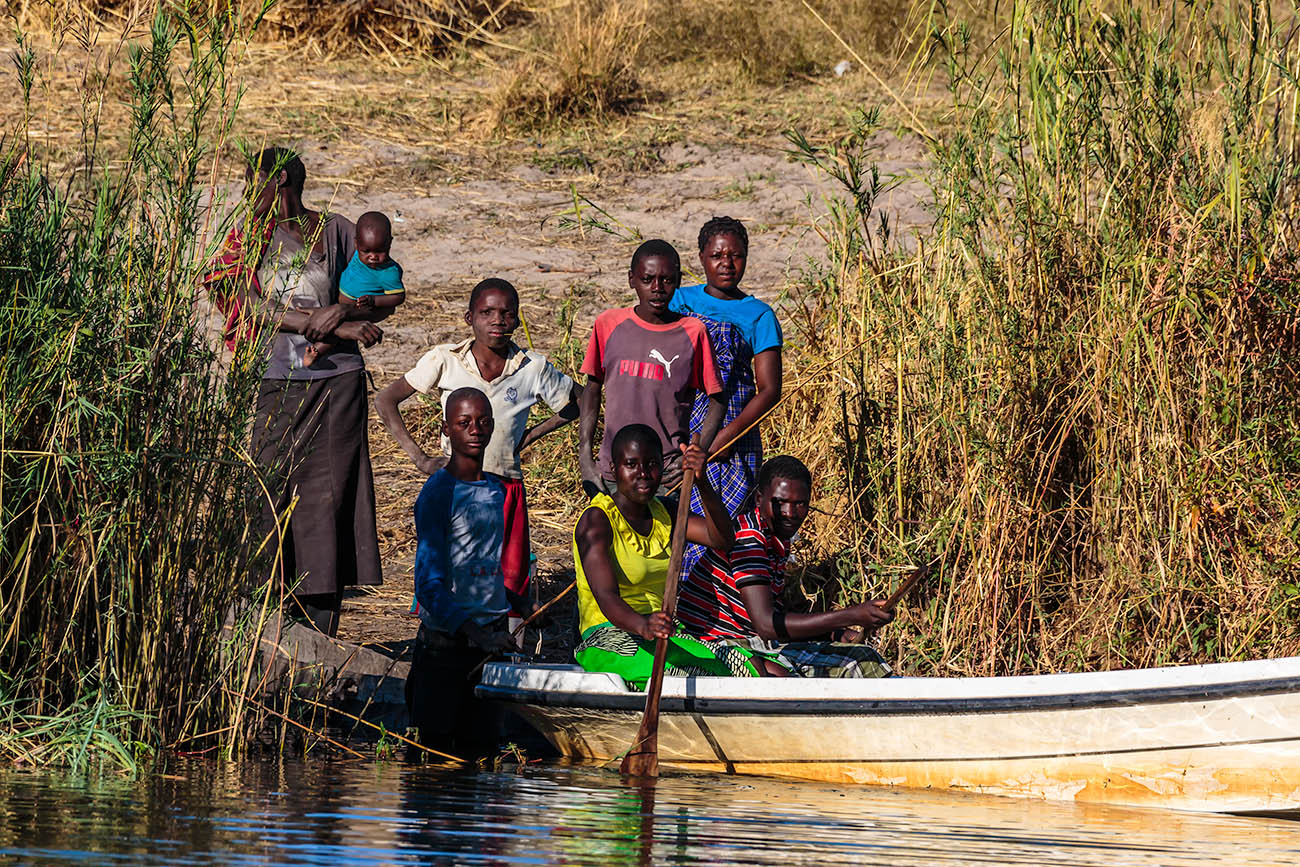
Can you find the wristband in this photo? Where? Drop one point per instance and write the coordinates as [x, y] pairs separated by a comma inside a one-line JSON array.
[[778, 626]]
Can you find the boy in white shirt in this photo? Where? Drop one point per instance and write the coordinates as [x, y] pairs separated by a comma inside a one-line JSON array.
[[513, 379]]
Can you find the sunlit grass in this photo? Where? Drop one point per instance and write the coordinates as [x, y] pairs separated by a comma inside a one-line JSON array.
[[1078, 386], [125, 491]]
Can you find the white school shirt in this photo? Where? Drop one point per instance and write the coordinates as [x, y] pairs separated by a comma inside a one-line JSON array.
[[527, 378]]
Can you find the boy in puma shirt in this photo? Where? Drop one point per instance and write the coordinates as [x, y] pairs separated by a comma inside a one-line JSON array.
[[648, 362]]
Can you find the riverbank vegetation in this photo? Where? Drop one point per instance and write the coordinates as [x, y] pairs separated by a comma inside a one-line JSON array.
[[126, 498], [1077, 388]]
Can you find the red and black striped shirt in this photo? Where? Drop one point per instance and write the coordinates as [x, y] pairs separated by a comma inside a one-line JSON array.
[[710, 606]]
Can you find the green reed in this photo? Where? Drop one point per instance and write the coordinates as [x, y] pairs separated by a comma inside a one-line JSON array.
[[1078, 386], [125, 492]]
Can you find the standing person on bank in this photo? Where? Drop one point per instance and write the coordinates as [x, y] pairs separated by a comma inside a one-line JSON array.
[[460, 528], [277, 281], [746, 338], [649, 364], [514, 379]]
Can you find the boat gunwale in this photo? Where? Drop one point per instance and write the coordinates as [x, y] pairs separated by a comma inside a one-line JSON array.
[[634, 701]]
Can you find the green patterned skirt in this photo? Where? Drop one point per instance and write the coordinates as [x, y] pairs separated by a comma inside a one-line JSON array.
[[605, 647]]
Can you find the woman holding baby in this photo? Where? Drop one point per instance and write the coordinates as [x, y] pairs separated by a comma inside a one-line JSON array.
[[309, 432]]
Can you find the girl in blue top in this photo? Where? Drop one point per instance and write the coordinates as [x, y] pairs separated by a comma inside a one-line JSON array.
[[746, 339]]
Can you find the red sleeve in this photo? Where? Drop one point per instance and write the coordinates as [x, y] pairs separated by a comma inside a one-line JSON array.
[[594, 363], [705, 375]]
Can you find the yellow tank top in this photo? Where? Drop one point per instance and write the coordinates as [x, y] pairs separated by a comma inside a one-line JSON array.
[[640, 563]]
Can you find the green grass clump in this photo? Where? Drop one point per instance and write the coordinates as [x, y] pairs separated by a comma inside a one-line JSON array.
[[1079, 384], [124, 483]]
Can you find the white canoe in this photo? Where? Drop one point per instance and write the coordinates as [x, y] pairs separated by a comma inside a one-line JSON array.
[[1222, 738]]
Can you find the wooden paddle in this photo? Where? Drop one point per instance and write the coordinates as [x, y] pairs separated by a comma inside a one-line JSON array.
[[642, 759], [896, 597]]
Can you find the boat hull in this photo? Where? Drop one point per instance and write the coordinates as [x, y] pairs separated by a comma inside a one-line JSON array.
[[1216, 738]]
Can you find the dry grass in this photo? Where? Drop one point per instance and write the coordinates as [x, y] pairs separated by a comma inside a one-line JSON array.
[[1080, 386], [583, 63], [771, 41], [313, 27], [591, 58]]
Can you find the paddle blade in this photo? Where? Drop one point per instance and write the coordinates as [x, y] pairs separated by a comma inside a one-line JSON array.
[[644, 760]]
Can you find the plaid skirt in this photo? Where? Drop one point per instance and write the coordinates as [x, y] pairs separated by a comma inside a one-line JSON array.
[[820, 658], [735, 477]]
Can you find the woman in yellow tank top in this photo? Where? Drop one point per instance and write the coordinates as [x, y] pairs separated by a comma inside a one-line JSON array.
[[621, 548]]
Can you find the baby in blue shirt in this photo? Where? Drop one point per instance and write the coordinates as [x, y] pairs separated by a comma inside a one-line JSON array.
[[372, 280]]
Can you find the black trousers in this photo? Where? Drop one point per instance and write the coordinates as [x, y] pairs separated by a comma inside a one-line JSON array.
[[440, 696]]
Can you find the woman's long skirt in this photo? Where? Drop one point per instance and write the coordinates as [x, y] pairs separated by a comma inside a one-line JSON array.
[[310, 442]]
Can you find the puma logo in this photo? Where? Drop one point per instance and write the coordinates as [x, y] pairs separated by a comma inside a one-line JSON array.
[[668, 365]]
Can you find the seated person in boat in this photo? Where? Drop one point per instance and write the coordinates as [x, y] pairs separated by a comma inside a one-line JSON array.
[[621, 548], [735, 596], [459, 525]]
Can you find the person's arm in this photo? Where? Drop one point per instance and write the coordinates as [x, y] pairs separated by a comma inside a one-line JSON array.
[[264, 313], [566, 414], [589, 410], [374, 313], [767, 384], [387, 403], [387, 302], [712, 421], [714, 528], [757, 598], [594, 538]]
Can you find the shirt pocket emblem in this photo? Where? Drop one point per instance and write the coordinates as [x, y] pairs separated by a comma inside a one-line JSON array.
[[512, 394]]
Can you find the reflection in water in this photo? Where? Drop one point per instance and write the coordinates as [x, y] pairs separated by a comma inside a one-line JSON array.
[[319, 812]]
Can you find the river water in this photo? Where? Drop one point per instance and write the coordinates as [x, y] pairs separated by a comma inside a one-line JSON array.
[[337, 813]]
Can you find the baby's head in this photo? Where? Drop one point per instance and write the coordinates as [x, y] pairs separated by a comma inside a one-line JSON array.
[[374, 238]]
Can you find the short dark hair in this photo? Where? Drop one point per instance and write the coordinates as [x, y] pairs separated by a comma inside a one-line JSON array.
[[783, 467], [374, 221], [723, 226], [467, 392], [635, 433], [493, 284], [656, 247], [273, 160]]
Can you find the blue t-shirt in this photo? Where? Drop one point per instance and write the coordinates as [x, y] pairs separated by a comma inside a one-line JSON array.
[[754, 318], [360, 279], [459, 527]]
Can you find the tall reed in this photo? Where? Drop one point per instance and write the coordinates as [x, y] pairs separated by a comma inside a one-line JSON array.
[[1079, 384], [124, 490]]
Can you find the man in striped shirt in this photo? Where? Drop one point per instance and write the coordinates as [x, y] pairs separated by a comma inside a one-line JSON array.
[[736, 596]]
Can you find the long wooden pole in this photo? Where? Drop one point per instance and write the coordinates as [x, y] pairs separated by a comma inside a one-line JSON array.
[[520, 628], [897, 596], [856, 634], [642, 759]]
